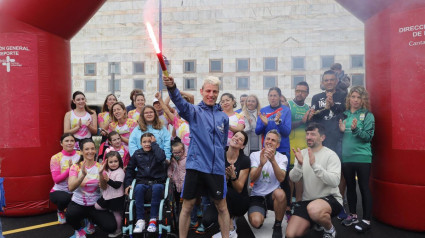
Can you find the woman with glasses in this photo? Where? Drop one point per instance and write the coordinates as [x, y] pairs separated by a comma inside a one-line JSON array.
[[149, 122]]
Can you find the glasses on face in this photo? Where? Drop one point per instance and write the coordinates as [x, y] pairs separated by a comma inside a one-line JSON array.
[[178, 152]]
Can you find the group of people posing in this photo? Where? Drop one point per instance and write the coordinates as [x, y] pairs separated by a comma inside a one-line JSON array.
[[224, 163]]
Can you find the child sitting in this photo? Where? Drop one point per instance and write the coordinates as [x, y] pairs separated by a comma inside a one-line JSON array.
[[115, 143], [111, 178], [151, 174]]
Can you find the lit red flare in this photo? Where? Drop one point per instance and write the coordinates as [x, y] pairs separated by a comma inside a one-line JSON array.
[[157, 50]]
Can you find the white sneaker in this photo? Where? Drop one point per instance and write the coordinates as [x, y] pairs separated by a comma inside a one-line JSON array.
[[217, 235], [116, 233], [140, 226], [232, 234]]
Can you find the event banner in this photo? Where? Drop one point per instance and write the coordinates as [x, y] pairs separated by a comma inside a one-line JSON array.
[[19, 121], [408, 79]]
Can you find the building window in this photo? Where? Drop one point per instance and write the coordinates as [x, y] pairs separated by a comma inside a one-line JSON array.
[[270, 64], [296, 80], [357, 80], [138, 67], [327, 61], [242, 65], [270, 81], [117, 85], [90, 86], [189, 66], [242, 83], [189, 83], [139, 83], [114, 69], [298, 63], [357, 61], [90, 69], [216, 65]]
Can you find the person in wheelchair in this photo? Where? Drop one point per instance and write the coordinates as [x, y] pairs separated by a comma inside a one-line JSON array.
[[151, 174]]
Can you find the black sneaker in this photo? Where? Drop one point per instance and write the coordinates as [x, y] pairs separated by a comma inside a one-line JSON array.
[[277, 231], [362, 226]]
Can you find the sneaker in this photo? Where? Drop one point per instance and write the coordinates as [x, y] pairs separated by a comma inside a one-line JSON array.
[[61, 217], [79, 234], [152, 225], [318, 227], [194, 225], [140, 226], [217, 235], [277, 231], [351, 219], [329, 235], [342, 215], [362, 226], [90, 228], [116, 233], [201, 230]]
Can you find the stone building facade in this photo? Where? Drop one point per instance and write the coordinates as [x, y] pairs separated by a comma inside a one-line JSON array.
[[250, 45]]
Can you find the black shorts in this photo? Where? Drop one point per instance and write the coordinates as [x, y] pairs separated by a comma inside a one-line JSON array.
[[300, 208], [261, 204], [115, 204], [197, 184]]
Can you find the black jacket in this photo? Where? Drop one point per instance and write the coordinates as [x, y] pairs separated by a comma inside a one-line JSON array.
[[150, 166]]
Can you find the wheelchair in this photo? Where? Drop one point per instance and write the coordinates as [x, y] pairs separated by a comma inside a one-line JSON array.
[[167, 217]]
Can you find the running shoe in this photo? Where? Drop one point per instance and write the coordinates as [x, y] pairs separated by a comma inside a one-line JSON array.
[[200, 230], [329, 235], [193, 225], [362, 226], [79, 234], [90, 228], [152, 226], [61, 217], [116, 233], [277, 231], [140, 226], [351, 219]]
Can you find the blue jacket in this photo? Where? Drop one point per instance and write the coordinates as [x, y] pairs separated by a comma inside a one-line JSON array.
[[150, 166], [284, 128], [209, 127], [163, 138]]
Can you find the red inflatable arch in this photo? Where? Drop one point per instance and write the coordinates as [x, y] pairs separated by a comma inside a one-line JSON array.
[[35, 88], [395, 71]]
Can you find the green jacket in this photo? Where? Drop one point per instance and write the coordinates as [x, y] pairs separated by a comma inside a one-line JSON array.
[[356, 143]]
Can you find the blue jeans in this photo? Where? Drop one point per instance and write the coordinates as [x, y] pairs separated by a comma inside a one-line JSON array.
[[139, 193]]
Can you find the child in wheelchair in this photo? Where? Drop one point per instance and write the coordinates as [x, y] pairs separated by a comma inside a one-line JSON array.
[[151, 174]]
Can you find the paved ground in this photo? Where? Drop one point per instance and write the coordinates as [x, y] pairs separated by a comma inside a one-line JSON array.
[[244, 230]]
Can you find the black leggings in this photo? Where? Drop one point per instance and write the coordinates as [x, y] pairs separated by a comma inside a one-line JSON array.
[[363, 172], [103, 218], [61, 199]]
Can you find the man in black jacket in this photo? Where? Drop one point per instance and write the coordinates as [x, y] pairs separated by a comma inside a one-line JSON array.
[[327, 109]]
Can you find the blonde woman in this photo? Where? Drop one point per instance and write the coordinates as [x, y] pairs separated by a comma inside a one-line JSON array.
[[250, 111], [358, 128]]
